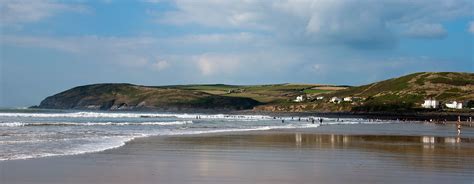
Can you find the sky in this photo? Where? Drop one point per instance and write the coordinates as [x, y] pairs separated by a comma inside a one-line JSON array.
[[49, 46]]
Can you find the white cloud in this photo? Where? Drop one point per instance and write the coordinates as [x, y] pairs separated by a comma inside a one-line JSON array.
[[211, 64], [471, 27], [207, 67], [317, 67], [357, 24], [160, 65], [429, 31], [15, 12], [130, 52], [223, 14], [375, 68], [80, 44], [216, 38]]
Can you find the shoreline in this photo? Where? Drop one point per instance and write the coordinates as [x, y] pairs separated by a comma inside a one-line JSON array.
[[406, 116], [402, 116], [327, 155], [311, 130]]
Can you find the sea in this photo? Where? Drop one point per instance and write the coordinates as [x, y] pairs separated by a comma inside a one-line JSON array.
[[27, 134]]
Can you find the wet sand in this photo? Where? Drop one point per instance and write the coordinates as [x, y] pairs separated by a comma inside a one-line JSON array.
[[419, 153]]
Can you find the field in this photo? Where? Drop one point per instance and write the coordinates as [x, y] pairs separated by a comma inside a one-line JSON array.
[[273, 93]]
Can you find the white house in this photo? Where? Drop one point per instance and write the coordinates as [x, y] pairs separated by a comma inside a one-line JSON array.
[[454, 105], [430, 104], [299, 98], [319, 97], [335, 100], [347, 99]]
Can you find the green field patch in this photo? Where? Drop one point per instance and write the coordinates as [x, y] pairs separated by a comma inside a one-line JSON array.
[[316, 91], [456, 81]]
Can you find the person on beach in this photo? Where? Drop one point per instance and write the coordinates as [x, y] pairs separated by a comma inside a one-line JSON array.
[[282, 121], [320, 121], [458, 125], [459, 128], [312, 120]]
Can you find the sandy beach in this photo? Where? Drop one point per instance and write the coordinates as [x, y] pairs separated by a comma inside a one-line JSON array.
[[327, 154]]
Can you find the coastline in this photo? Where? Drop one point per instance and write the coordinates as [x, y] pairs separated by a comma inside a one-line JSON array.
[[440, 117], [327, 154], [402, 116], [278, 124]]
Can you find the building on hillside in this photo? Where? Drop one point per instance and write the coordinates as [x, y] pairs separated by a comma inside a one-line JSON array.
[[454, 105], [299, 98], [347, 99], [335, 100], [319, 97], [430, 104]]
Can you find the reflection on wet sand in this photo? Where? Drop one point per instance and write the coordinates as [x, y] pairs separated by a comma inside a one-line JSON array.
[[321, 140], [260, 157], [428, 152]]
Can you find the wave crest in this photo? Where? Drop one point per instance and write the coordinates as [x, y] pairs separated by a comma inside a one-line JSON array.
[[22, 124]]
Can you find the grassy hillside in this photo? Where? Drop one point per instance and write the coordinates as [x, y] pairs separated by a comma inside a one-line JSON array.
[[127, 97], [397, 94], [273, 93], [409, 91]]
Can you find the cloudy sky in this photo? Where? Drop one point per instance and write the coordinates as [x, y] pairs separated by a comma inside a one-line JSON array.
[[50, 46]]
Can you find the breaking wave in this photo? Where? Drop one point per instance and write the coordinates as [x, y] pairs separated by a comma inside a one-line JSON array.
[[132, 115], [21, 124]]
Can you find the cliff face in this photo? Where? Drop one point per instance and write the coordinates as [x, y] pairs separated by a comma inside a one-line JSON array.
[[132, 97]]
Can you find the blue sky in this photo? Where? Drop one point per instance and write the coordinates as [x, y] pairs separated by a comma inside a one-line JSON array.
[[48, 46]]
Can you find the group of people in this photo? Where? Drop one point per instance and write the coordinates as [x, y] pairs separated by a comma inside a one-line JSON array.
[[299, 119], [459, 123], [313, 120]]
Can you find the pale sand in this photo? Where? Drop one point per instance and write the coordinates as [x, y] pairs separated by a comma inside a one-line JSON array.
[[365, 154]]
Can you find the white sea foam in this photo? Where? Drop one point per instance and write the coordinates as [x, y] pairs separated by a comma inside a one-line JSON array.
[[131, 115], [287, 126], [112, 142], [21, 124], [64, 139]]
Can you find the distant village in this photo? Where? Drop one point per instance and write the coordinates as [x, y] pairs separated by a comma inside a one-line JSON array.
[[428, 103]]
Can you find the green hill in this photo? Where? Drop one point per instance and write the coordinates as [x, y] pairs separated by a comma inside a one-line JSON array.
[[409, 91], [270, 93], [133, 97], [404, 93]]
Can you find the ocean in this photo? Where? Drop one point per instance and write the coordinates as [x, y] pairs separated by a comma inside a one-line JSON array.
[[26, 134]]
